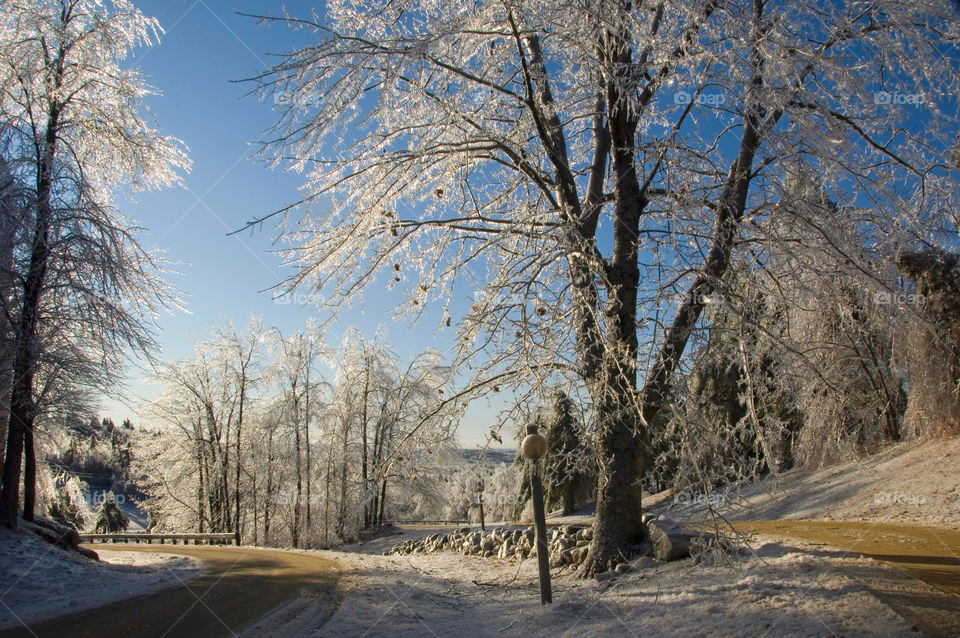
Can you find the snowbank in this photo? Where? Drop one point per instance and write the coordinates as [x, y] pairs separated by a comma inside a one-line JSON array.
[[914, 481], [39, 580]]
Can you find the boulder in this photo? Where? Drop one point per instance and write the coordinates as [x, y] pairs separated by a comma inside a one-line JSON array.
[[89, 553], [670, 541], [56, 533]]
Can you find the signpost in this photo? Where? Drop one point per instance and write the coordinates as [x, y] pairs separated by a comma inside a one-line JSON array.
[[480, 502], [534, 446]]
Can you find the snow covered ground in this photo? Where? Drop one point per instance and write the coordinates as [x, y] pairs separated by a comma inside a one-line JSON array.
[[914, 481], [772, 590], [39, 580]]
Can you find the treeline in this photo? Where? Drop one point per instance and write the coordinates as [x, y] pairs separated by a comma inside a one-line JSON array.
[[289, 441], [821, 343]]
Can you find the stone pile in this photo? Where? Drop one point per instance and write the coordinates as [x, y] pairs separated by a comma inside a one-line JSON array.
[[568, 544]]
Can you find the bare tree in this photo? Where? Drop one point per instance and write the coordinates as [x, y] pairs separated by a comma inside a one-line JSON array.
[[78, 133], [585, 164]]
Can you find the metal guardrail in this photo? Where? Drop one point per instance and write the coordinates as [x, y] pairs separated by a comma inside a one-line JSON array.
[[148, 538], [462, 523]]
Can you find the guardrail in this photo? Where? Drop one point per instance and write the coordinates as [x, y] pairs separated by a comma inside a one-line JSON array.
[[148, 538], [462, 523]]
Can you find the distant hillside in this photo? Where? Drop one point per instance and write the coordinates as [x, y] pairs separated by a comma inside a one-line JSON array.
[[491, 455]]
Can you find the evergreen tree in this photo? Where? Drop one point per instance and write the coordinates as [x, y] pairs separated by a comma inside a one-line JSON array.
[[110, 518]]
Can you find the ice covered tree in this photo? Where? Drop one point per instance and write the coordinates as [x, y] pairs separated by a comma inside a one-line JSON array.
[[298, 387], [110, 518], [75, 130], [202, 413], [591, 169]]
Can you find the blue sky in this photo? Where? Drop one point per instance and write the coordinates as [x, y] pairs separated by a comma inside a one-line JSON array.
[[206, 49]]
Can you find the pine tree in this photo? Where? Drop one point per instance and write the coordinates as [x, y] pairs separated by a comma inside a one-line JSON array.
[[110, 518]]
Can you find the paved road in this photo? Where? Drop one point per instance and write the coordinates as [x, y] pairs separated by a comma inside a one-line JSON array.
[[928, 553], [239, 586]]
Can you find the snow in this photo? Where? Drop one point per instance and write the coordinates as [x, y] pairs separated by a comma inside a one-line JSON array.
[[772, 590], [39, 580], [914, 481], [768, 588]]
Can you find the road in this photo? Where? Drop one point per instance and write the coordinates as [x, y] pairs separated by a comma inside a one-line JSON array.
[[239, 586], [930, 554]]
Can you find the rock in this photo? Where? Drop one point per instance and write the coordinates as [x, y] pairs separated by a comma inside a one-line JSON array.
[[65, 536], [606, 576], [646, 518], [487, 544], [89, 553], [623, 568], [670, 541], [582, 554], [586, 534]]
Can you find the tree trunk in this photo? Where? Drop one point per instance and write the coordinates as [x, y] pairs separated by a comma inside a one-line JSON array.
[[342, 513], [296, 503], [326, 499], [29, 475], [22, 407], [383, 500], [363, 439], [269, 492], [236, 476]]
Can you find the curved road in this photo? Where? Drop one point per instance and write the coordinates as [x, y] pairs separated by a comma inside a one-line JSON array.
[[239, 586]]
